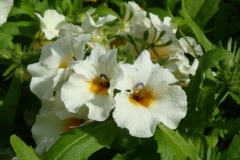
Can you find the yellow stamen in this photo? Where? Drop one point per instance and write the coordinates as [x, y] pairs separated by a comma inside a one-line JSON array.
[[142, 98], [99, 86]]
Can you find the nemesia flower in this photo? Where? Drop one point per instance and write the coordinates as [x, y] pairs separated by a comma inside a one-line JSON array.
[[147, 98], [49, 126], [98, 37], [92, 84], [5, 7], [53, 67], [133, 14], [171, 56], [166, 21], [51, 23]]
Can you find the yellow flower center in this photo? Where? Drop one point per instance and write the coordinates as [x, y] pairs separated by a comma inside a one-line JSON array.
[[72, 123], [64, 63], [100, 85], [141, 97]]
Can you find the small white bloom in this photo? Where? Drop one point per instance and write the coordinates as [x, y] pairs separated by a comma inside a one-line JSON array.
[[51, 23], [53, 67], [92, 84], [188, 48], [5, 7], [146, 98], [133, 14], [49, 126], [166, 21], [98, 36]]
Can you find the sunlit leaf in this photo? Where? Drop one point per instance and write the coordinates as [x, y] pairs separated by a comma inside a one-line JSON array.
[[207, 45], [23, 151], [212, 57], [5, 39], [84, 141], [171, 145]]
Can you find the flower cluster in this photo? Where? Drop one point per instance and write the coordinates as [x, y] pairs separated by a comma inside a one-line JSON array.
[[80, 79]]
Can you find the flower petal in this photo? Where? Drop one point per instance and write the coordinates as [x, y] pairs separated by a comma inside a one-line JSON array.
[[138, 120], [75, 92], [170, 104], [5, 7]]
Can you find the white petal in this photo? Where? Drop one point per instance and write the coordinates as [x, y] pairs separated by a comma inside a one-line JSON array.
[[51, 23], [42, 87], [138, 120], [46, 131], [5, 7], [100, 107], [193, 45], [89, 25], [75, 92], [60, 110], [38, 70], [169, 107]]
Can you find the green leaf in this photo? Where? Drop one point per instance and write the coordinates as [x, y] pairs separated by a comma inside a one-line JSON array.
[[206, 11], [83, 141], [235, 96], [212, 57], [22, 8], [233, 152], [5, 39], [41, 7], [193, 7], [146, 150], [21, 28], [207, 45], [23, 151], [10, 69], [172, 146], [171, 5], [10, 103], [104, 11], [202, 10]]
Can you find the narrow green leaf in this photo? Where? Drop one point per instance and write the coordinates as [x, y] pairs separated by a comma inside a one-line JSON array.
[[171, 5], [21, 28], [206, 11], [10, 69], [5, 39], [212, 57], [146, 150], [235, 96], [22, 8], [193, 7], [23, 151], [233, 152], [172, 146], [83, 141], [207, 45], [104, 11], [10, 103]]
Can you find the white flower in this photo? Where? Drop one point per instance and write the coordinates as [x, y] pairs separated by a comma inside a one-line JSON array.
[[146, 98], [51, 23], [98, 36], [5, 7], [92, 84], [53, 67], [166, 21], [49, 126], [133, 14]]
